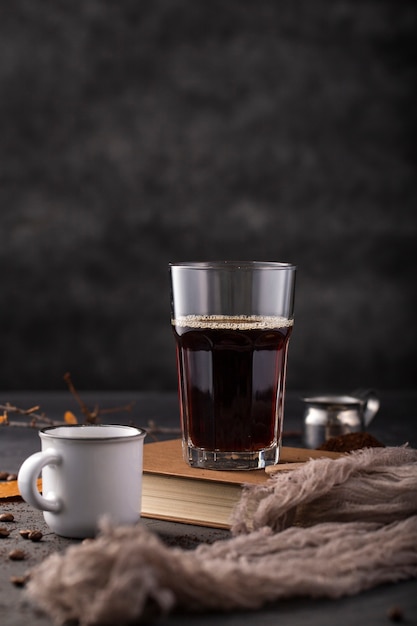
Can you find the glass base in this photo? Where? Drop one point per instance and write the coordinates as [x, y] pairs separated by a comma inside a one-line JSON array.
[[215, 460]]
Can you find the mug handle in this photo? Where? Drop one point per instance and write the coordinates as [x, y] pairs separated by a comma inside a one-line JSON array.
[[371, 403], [27, 477]]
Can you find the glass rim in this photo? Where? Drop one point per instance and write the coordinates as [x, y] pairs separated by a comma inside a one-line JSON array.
[[233, 265]]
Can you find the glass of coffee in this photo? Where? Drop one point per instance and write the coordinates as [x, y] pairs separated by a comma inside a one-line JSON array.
[[232, 322]]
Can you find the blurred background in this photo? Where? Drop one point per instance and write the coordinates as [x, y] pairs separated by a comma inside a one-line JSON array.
[[135, 133]]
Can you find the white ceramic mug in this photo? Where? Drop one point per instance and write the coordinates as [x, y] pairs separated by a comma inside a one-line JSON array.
[[88, 472]]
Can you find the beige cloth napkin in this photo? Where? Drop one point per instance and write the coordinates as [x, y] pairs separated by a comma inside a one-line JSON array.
[[330, 528]]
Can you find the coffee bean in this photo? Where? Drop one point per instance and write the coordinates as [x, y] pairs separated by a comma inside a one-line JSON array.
[[19, 581], [17, 555], [35, 535], [25, 532], [6, 517], [396, 614], [4, 532], [11, 477], [4, 475]]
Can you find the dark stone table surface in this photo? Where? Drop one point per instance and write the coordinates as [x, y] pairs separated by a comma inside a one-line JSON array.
[[395, 424]]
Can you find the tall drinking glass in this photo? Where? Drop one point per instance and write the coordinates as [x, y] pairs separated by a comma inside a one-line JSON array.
[[232, 322]]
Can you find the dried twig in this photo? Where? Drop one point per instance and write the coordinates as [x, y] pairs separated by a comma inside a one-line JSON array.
[[91, 416], [36, 418], [152, 430]]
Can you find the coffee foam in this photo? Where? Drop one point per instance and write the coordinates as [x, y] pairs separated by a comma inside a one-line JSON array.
[[224, 322]]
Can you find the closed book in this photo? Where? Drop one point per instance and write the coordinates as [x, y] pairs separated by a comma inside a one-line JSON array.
[[174, 491]]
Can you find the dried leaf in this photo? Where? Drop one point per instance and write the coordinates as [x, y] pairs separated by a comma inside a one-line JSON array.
[[70, 418]]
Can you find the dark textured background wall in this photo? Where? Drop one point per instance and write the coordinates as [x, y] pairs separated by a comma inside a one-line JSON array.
[[134, 133]]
